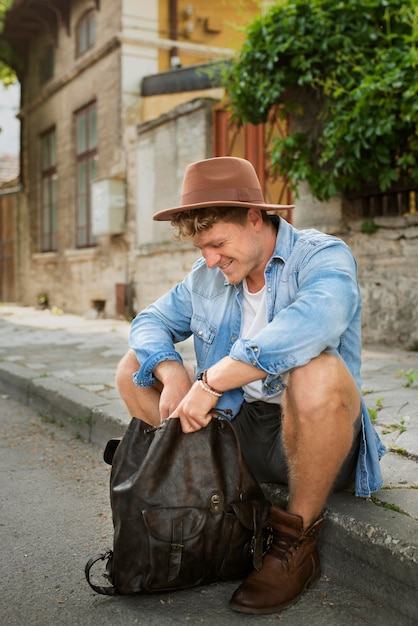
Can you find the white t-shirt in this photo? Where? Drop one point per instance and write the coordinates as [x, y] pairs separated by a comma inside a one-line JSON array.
[[254, 318]]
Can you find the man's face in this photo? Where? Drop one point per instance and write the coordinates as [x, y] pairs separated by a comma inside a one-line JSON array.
[[237, 250]]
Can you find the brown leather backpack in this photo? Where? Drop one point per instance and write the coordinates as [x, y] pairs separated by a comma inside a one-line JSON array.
[[186, 509]]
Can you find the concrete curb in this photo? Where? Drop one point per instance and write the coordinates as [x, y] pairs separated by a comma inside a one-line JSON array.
[[377, 547], [83, 412]]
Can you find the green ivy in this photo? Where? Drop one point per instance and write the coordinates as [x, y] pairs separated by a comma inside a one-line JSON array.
[[9, 60], [356, 61]]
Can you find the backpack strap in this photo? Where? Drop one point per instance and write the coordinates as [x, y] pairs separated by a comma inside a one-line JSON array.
[[110, 449], [110, 590]]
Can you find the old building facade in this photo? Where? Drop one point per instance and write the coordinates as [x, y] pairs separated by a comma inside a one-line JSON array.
[[81, 216], [116, 101]]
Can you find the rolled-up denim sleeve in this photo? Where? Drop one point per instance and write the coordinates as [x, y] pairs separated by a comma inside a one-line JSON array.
[[326, 298], [144, 376], [155, 331]]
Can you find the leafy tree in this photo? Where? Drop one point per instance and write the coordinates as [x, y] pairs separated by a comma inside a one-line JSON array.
[[356, 63], [7, 60]]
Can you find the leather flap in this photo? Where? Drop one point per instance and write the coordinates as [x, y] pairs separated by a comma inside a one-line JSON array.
[[161, 522]]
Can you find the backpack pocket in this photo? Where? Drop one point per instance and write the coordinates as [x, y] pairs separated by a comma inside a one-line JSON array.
[[176, 548]]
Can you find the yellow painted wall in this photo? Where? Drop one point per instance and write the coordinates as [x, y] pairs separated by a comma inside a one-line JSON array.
[[206, 31], [215, 24]]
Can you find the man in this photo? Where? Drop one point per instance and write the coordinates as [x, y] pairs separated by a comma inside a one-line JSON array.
[[275, 314]]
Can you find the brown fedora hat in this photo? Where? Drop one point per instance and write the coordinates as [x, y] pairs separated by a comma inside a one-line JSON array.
[[221, 181]]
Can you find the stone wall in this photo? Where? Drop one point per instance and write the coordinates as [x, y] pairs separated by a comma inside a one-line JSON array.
[[387, 259], [388, 275]]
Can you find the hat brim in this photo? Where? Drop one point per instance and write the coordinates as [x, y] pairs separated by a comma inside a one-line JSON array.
[[166, 214]]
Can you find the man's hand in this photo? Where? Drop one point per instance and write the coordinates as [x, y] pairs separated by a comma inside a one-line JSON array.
[[195, 409], [190, 402]]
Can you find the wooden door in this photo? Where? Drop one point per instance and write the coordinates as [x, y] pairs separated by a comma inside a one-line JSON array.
[[252, 143], [7, 273]]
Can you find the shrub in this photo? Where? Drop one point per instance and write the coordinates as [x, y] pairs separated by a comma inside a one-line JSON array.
[[358, 62]]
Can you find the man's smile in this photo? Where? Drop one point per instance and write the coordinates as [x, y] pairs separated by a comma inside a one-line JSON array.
[[225, 266]]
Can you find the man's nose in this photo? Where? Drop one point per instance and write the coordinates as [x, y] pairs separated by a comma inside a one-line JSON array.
[[212, 258]]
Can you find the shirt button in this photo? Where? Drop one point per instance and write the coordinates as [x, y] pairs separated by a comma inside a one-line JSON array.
[[233, 338], [200, 333], [269, 289]]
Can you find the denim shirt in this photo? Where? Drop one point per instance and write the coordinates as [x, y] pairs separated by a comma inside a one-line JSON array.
[[314, 305]]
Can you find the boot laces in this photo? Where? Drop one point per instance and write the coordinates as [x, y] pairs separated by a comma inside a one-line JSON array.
[[282, 545]]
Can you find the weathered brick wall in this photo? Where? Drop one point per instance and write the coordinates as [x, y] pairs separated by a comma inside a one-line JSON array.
[[72, 278]]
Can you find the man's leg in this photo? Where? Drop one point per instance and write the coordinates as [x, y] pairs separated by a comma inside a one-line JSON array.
[[321, 405], [141, 402]]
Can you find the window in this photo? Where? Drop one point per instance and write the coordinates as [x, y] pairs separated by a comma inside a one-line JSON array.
[[86, 32], [86, 155], [49, 191]]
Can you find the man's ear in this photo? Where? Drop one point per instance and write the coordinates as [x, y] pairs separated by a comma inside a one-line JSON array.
[[255, 217]]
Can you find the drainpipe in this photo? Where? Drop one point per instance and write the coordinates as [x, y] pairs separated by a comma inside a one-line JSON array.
[[174, 52]]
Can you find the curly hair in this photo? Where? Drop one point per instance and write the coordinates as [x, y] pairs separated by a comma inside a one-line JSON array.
[[191, 223]]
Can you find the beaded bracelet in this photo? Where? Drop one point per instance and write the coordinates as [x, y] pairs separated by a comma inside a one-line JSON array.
[[203, 382]]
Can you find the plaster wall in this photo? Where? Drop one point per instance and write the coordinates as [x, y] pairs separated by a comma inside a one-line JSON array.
[[387, 262]]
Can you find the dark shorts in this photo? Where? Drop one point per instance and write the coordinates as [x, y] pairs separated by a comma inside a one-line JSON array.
[[258, 426]]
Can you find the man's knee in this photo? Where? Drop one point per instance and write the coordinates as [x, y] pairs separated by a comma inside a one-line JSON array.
[[125, 369], [324, 383]]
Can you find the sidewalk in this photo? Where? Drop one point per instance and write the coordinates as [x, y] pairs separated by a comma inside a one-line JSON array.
[[63, 366]]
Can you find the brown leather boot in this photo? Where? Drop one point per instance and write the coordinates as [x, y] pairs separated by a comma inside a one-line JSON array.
[[290, 566]]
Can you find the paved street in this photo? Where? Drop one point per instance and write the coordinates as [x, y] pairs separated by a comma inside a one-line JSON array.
[[55, 515], [61, 367]]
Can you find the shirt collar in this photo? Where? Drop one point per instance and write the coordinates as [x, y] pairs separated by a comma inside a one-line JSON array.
[[284, 241]]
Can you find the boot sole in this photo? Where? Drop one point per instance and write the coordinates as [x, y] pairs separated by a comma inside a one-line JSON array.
[[310, 583]]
